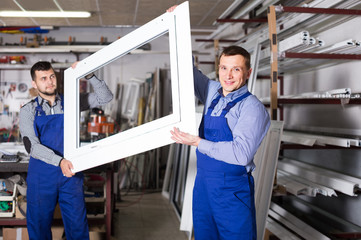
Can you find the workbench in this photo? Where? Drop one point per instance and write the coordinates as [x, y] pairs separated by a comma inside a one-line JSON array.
[[20, 167]]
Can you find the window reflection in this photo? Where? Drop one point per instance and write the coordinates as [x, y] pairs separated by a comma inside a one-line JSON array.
[[139, 96]]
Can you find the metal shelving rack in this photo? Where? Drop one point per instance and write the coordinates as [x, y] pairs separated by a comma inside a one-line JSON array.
[[272, 27], [323, 59]]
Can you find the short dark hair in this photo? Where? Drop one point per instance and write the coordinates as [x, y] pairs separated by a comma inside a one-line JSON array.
[[237, 50], [40, 66]]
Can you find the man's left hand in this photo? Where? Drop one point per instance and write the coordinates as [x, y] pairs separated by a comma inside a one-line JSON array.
[[184, 138]]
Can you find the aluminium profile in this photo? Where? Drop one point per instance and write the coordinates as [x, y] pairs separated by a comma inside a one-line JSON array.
[[298, 185], [280, 231], [333, 93], [337, 181], [321, 94], [307, 139], [298, 138], [294, 187], [244, 10], [319, 43], [338, 220], [326, 130], [297, 21], [295, 224], [265, 54], [336, 46], [309, 44], [298, 39], [255, 63], [262, 32]]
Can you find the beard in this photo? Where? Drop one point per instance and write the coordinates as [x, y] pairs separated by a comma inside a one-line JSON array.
[[48, 93]]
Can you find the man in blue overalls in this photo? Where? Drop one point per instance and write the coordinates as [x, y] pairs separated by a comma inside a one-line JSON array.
[[50, 179], [233, 126]]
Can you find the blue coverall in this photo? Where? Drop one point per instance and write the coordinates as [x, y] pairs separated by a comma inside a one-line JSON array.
[[223, 194], [47, 186]]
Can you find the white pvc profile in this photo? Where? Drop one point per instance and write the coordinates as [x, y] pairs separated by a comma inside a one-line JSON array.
[[130, 100], [296, 225], [266, 161], [69, 49], [186, 223], [312, 139], [147, 136], [337, 181], [299, 186], [168, 171]]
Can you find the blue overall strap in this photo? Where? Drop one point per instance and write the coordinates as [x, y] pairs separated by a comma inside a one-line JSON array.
[[39, 108], [62, 101], [209, 111], [234, 102], [213, 104]]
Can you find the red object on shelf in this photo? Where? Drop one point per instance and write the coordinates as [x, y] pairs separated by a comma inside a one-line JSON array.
[[12, 59], [99, 125]]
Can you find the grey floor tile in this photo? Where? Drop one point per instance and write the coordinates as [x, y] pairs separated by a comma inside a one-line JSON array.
[[146, 216]]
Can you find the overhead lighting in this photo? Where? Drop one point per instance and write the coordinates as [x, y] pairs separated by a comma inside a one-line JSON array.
[[45, 14]]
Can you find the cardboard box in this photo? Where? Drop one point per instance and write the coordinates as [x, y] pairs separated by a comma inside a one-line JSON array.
[[97, 232], [97, 235], [15, 234], [22, 233]]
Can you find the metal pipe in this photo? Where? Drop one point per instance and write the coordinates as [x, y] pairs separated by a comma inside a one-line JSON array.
[[242, 20], [321, 56], [318, 10]]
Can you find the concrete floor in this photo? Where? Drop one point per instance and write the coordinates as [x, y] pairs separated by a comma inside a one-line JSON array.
[[147, 216]]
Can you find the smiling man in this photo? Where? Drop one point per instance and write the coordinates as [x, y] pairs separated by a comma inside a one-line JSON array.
[[233, 125]]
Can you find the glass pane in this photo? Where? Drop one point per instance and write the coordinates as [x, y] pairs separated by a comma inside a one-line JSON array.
[[141, 86]]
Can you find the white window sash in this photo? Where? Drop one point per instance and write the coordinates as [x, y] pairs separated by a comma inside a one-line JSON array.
[[149, 135]]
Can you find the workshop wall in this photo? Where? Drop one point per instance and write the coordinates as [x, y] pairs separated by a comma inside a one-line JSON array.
[[15, 84]]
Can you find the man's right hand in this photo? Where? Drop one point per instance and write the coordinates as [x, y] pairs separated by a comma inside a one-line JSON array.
[[66, 167], [171, 9], [74, 64]]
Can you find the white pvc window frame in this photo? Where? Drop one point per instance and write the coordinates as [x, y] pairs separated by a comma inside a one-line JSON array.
[[147, 136]]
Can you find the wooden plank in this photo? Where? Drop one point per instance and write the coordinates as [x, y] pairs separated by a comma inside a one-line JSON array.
[[271, 16]]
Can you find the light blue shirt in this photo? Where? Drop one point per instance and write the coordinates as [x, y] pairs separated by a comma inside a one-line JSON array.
[[248, 120]]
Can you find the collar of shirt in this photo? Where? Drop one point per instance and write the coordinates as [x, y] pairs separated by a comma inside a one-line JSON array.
[[42, 100], [235, 94]]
